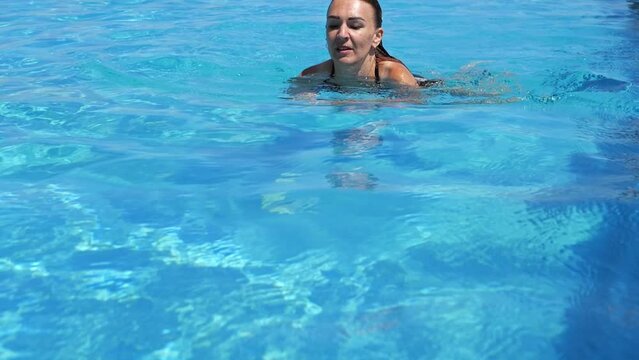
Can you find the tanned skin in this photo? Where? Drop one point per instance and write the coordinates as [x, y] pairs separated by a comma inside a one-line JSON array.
[[351, 39]]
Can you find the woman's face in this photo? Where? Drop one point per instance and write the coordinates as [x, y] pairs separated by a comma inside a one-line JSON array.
[[351, 31]]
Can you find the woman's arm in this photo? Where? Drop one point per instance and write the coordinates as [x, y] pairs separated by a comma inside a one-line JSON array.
[[321, 68], [397, 74]]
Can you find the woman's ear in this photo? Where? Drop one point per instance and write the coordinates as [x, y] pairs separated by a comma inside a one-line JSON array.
[[377, 37]]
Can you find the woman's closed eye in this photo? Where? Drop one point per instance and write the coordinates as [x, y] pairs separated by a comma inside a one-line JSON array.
[[355, 25]]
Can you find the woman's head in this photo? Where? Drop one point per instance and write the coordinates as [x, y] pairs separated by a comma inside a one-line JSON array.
[[353, 29]]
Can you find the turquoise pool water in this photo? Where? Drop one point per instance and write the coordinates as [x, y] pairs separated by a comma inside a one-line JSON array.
[[162, 196]]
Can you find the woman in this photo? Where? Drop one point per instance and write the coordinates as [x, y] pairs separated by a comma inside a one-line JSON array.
[[354, 40]]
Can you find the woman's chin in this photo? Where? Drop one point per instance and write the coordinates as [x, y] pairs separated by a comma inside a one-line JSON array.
[[345, 60]]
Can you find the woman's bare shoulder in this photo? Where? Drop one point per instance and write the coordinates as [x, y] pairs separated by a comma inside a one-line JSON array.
[[321, 68], [397, 73]]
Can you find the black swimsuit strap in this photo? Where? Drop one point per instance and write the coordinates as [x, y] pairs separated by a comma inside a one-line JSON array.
[[376, 71]]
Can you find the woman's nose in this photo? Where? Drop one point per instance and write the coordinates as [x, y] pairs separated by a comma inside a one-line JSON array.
[[343, 31]]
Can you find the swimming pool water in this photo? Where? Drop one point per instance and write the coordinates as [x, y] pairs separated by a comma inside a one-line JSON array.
[[162, 196]]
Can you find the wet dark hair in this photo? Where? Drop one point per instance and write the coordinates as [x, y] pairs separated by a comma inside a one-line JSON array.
[[380, 51]]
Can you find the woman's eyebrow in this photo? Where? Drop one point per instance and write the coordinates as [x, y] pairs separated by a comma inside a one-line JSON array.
[[350, 18]]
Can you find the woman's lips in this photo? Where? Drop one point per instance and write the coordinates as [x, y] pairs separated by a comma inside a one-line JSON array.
[[343, 50]]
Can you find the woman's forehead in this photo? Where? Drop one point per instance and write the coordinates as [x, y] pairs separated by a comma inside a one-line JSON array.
[[351, 9]]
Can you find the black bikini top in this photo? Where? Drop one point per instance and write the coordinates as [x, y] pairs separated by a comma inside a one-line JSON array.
[[376, 72]]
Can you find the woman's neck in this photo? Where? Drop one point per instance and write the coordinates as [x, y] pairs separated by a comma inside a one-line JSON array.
[[358, 71]]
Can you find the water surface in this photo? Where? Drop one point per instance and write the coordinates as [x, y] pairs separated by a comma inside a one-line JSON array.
[[163, 197]]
